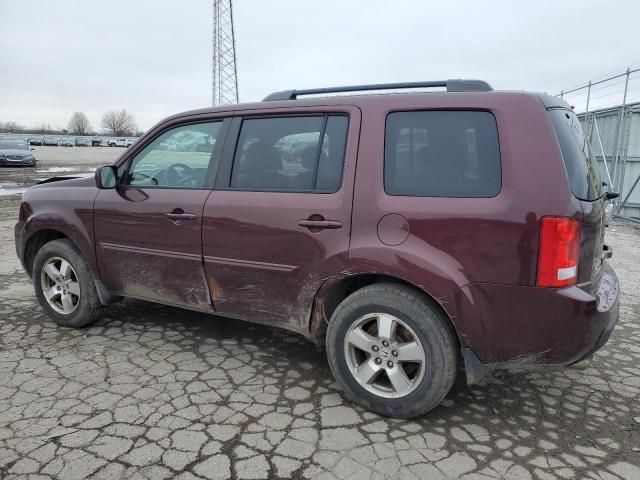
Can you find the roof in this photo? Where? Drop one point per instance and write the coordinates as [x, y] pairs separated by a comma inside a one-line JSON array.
[[471, 90]]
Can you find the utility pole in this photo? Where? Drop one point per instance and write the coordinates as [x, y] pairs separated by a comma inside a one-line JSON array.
[[225, 74]]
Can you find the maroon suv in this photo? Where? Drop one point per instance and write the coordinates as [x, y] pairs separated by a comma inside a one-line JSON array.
[[409, 232]]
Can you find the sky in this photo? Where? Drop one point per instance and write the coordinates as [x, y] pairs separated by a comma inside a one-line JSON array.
[[153, 57]]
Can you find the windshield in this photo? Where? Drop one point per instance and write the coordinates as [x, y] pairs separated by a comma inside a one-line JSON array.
[[13, 145], [582, 168]]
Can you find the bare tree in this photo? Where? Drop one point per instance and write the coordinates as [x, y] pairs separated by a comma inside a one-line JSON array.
[[11, 127], [79, 124], [119, 123], [43, 128]]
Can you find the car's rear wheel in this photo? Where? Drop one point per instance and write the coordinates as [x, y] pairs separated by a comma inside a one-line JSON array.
[[64, 285], [392, 350]]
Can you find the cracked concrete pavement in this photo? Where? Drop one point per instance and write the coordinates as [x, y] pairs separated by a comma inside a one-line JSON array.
[[156, 392]]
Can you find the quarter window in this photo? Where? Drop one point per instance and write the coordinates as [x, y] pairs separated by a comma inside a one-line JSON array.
[[299, 154], [442, 154], [582, 168], [178, 158]]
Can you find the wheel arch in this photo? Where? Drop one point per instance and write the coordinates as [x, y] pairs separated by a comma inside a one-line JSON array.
[[41, 237], [335, 290], [36, 241], [53, 221]]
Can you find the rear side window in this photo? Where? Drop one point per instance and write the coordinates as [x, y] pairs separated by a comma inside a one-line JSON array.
[[297, 154], [442, 154], [582, 169]]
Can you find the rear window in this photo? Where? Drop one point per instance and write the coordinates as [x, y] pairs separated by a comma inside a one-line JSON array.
[[442, 154], [582, 168]]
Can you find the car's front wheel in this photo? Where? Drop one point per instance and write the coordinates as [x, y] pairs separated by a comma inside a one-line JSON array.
[[64, 285], [392, 350]]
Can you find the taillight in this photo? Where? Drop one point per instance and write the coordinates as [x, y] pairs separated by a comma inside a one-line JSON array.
[[558, 252]]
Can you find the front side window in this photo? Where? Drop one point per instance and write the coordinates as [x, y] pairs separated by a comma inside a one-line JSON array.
[[442, 154], [178, 158], [296, 154]]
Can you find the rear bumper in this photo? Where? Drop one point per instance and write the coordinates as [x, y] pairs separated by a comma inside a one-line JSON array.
[[604, 336], [504, 327]]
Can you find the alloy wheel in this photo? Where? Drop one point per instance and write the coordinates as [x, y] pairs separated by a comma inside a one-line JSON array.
[[384, 355], [60, 285]]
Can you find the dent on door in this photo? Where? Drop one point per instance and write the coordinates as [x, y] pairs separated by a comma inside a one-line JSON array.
[[267, 253], [266, 270]]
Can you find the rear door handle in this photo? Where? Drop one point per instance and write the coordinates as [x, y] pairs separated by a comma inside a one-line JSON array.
[[320, 223], [181, 216]]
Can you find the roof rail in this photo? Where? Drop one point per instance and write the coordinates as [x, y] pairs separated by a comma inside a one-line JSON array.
[[452, 85]]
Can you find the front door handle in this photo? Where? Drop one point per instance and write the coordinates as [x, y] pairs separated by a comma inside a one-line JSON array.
[[320, 224]]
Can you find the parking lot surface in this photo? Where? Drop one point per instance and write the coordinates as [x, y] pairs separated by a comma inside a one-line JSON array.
[[55, 161], [156, 392]]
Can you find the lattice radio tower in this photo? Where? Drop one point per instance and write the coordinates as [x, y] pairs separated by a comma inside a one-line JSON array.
[[225, 74]]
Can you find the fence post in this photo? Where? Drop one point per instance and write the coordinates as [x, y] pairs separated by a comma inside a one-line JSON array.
[[588, 95], [604, 157], [626, 87], [616, 150]]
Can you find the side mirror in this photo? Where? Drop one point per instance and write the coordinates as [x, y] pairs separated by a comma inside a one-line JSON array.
[[611, 195], [106, 177]]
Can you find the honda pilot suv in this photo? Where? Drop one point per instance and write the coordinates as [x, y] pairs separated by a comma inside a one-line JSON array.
[[412, 233]]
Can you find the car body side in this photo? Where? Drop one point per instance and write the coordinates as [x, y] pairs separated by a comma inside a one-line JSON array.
[[475, 257]]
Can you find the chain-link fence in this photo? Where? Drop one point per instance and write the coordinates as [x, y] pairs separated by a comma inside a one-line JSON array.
[[609, 110]]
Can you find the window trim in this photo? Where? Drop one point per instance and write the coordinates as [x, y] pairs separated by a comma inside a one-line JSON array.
[[420, 110], [223, 180], [210, 175]]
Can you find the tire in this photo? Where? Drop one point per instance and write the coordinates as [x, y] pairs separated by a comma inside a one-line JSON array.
[[417, 317], [86, 307]]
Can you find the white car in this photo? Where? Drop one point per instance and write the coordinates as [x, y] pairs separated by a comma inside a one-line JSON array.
[[170, 145], [121, 142]]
